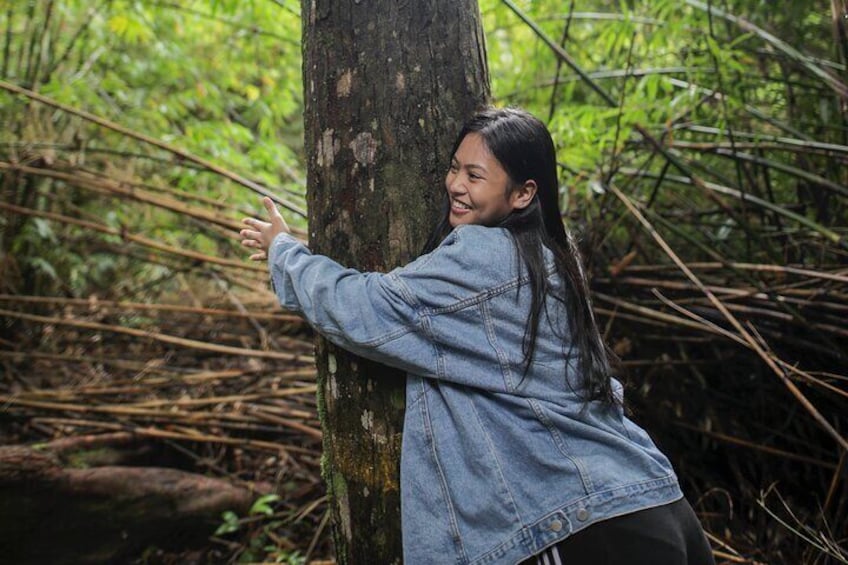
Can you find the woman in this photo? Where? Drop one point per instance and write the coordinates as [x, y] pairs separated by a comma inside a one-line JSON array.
[[515, 448]]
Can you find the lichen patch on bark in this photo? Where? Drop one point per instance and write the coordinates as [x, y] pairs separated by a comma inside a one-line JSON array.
[[344, 83], [328, 146], [364, 148]]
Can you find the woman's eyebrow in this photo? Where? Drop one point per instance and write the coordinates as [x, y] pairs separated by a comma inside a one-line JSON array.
[[481, 168]]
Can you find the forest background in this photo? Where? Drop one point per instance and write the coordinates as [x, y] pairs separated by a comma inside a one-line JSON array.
[[703, 150]]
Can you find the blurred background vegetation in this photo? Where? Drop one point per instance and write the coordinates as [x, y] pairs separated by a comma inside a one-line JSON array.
[[703, 149]]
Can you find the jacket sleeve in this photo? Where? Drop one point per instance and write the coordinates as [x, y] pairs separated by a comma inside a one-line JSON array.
[[370, 314]]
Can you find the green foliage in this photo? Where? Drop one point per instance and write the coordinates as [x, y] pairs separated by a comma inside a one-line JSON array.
[[663, 63], [221, 80], [262, 544]]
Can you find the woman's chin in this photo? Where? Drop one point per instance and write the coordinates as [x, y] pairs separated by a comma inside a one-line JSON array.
[[457, 220]]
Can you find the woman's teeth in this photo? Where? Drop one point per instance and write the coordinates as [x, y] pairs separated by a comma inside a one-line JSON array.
[[463, 205]]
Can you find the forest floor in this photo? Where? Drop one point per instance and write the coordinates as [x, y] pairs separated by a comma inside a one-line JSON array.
[[160, 400]]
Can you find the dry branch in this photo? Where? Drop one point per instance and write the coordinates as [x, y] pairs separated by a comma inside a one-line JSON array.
[[141, 240], [259, 189], [173, 340], [743, 334]]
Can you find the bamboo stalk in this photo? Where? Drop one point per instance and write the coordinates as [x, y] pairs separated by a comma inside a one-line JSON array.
[[97, 304], [141, 240], [560, 53], [123, 363], [171, 417], [743, 334], [838, 86], [173, 340], [236, 178], [799, 143], [793, 171], [839, 275], [828, 233], [759, 447], [718, 146]]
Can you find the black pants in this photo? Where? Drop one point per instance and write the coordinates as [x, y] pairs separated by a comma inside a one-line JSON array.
[[666, 535]]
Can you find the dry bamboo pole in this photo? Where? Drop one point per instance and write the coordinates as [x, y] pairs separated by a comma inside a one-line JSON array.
[[732, 336], [121, 363], [758, 446], [171, 417], [152, 432], [839, 275], [742, 332], [108, 186], [769, 295], [173, 340], [238, 179], [793, 171], [834, 83], [656, 314], [182, 196], [266, 417], [282, 449], [145, 387], [229, 399], [613, 315], [141, 240], [832, 236], [782, 140], [718, 146], [97, 304]]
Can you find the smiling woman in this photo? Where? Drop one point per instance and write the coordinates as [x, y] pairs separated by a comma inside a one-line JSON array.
[[516, 448], [480, 190]]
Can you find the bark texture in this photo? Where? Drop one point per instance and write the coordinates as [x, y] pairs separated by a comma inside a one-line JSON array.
[[387, 86]]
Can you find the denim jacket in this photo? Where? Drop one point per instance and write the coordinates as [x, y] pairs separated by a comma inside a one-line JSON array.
[[494, 467]]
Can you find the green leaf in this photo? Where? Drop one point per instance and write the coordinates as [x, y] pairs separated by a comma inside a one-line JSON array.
[[229, 525], [263, 504]]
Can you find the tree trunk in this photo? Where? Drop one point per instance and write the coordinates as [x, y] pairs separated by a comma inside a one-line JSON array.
[[51, 512], [387, 86]]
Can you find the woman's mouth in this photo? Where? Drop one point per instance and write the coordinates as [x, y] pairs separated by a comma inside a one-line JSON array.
[[458, 207]]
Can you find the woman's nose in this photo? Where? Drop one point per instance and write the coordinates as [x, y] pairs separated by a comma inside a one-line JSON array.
[[454, 183]]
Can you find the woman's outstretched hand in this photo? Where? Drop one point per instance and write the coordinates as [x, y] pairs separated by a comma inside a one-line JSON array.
[[260, 234]]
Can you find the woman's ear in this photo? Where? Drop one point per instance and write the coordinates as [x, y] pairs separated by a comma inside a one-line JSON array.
[[522, 196]]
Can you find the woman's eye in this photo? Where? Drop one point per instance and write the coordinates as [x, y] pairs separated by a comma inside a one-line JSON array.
[[472, 176]]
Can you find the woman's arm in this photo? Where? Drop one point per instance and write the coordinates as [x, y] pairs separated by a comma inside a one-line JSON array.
[[366, 313]]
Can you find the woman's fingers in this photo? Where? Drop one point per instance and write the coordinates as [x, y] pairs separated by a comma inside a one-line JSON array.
[[254, 223], [277, 221], [259, 233], [271, 207]]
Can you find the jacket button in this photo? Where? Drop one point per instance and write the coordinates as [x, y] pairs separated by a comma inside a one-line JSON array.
[[556, 526], [582, 514]]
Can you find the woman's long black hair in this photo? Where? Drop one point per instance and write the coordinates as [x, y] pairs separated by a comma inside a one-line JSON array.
[[524, 148]]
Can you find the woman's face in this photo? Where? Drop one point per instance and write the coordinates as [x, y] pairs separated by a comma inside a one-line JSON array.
[[477, 185]]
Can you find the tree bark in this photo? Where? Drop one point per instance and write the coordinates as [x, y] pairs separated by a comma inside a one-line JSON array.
[[387, 86]]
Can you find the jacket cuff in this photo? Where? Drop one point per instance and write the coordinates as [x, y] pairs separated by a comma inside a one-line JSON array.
[[282, 242]]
